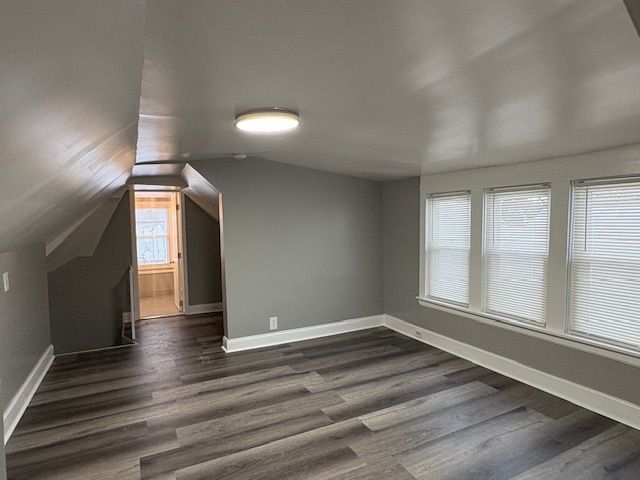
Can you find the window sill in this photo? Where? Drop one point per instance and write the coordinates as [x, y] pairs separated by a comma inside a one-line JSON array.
[[613, 352]]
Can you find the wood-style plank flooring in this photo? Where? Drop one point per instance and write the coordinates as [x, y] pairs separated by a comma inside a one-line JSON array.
[[365, 405]]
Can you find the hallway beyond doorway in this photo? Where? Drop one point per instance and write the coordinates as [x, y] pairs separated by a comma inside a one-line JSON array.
[[161, 306], [159, 245]]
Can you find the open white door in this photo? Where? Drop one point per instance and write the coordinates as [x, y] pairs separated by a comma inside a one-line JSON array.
[[176, 253]]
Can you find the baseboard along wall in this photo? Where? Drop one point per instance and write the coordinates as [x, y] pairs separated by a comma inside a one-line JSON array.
[[596, 401], [23, 396], [204, 308], [231, 345]]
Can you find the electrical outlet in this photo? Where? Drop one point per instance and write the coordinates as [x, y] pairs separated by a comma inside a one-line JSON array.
[[273, 323], [418, 334], [5, 281]]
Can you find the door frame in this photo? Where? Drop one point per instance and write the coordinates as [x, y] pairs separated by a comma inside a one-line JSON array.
[[182, 252], [182, 263], [135, 298]]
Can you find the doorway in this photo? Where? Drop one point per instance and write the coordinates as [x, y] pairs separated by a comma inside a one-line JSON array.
[[159, 247]]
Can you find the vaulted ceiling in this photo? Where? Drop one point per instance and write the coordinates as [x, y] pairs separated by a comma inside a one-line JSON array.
[[69, 95], [391, 88], [385, 88]]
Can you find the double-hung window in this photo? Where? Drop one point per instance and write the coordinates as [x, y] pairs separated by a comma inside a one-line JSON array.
[[604, 265], [152, 234], [447, 229], [516, 252]]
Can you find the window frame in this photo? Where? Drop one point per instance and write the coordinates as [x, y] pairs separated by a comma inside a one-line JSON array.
[[613, 164], [484, 281], [568, 330], [425, 267], [160, 266]]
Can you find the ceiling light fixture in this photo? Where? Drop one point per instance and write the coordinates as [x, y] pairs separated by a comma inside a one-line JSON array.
[[268, 120]]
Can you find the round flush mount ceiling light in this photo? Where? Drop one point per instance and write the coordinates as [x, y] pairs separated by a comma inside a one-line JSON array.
[[268, 120]]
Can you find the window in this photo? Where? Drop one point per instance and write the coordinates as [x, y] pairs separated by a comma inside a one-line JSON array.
[[516, 252], [572, 276], [448, 225], [604, 290], [152, 232]]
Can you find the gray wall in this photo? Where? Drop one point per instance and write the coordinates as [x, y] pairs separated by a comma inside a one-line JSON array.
[[298, 243], [202, 242], [401, 214], [88, 294], [24, 318]]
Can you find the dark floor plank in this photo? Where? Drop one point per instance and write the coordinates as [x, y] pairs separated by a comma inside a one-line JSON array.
[[364, 405], [501, 448]]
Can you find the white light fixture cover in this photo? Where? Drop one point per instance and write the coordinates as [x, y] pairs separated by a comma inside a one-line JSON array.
[[268, 120]]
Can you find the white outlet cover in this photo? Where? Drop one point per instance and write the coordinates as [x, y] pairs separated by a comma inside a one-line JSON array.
[[273, 323], [5, 281]]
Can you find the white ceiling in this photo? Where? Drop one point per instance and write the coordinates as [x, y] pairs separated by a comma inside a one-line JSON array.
[[69, 93], [391, 88], [386, 89]]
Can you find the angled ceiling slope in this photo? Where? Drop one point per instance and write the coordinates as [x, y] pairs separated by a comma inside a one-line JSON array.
[[633, 6], [69, 97], [400, 89], [394, 87], [82, 238], [178, 175]]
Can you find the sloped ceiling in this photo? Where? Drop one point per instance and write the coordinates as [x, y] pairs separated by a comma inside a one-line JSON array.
[[147, 176], [69, 95], [391, 88], [386, 89], [83, 237], [633, 6]]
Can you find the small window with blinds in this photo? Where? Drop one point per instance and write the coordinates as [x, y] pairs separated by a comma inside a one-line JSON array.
[[448, 229], [604, 265], [516, 252]]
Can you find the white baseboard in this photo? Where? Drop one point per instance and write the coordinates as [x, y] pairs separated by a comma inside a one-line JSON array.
[[230, 345], [21, 399], [204, 308], [607, 405]]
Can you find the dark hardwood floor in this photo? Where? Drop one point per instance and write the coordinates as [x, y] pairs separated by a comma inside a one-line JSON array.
[[365, 405]]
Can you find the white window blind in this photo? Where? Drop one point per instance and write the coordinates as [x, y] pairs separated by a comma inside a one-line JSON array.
[[448, 227], [604, 290], [516, 252]]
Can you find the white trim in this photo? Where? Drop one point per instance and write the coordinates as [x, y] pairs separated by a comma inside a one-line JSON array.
[[613, 407], [100, 349], [204, 308], [25, 393], [559, 172], [182, 261], [606, 350], [133, 287], [230, 345]]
